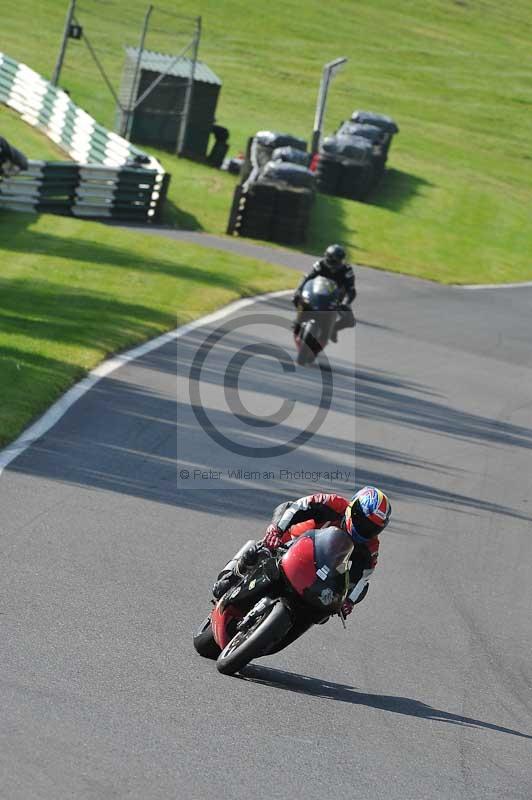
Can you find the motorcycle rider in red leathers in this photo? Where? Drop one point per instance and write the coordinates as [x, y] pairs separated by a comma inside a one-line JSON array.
[[363, 517]]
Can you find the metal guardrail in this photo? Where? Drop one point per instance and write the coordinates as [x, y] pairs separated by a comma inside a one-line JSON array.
[[111, 178]]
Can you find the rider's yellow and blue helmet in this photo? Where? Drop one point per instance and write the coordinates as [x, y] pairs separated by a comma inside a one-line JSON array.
[[367, 514]]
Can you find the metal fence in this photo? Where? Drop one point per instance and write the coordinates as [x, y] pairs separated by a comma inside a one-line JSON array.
[[96, 37], [113, 178]]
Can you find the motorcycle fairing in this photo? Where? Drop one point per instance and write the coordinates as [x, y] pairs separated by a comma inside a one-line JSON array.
[[316, 566], [298, 564], [321, 294], [236, 602], [220, 621], [317, 311]]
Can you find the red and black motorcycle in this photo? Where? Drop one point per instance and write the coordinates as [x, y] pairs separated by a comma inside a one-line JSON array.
[[279, 599], [316, 316]]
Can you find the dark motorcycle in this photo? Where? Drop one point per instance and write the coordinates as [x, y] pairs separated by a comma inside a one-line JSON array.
[[280, 598], [317, 314]]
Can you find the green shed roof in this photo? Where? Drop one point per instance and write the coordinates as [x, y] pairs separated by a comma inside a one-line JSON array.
[[178, 66]]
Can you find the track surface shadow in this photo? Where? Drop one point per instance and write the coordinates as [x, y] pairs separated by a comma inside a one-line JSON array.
[[315, 687], [133, 448]]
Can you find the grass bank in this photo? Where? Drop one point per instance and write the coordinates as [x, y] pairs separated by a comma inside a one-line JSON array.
[[73, 292], [455, 75]]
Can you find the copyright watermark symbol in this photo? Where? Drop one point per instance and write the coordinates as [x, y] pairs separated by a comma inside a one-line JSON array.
[[249, 412], [266, 352]]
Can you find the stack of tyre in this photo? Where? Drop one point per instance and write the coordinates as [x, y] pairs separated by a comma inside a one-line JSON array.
[[352, 161], [274, 198], [345, 166]]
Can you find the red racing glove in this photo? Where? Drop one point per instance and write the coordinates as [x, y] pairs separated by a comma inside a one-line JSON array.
[[273, 537], [347, 607]]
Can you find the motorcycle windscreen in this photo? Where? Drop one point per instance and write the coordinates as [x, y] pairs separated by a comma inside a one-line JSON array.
[[333, 548], [321, 294], [332, 551]]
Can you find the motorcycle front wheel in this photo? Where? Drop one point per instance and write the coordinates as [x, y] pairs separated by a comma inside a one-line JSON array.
[[262, 635], [309, 346], [204, 641]]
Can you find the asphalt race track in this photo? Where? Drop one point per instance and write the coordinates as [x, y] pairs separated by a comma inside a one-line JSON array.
[[109, 554]]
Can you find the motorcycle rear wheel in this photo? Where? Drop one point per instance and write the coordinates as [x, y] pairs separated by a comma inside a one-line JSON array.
[[204, 641], [268, 630]]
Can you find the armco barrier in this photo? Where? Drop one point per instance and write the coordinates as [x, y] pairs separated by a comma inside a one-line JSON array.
[[130, 193], [111, 178]]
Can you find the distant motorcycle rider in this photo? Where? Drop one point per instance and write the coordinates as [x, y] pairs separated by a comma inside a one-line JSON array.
[[363, 517], [333, 266]]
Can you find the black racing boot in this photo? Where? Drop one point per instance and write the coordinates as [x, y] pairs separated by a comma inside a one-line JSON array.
[[236, 569]]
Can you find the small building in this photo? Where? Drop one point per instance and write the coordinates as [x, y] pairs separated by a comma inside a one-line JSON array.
[[158, 118]]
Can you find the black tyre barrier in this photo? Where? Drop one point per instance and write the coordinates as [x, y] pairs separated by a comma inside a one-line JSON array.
[[360, 152], [260, 149], [253, 230], [378, 120], [356, 181], [342, 178], [292, 155], [264, 193], [379, 168], [371, 132], [351, 182], [328, 174], [270, 212], [234, 211], [352, 162], [376, 138], [357, 149], [273, 140], [294, 175], [287, 205]]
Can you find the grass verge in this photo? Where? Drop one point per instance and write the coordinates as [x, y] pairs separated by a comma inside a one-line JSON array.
[[73, 292], [454, 73]]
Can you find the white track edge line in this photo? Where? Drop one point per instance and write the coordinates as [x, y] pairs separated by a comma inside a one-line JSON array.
[[472, 286], [72, 395]]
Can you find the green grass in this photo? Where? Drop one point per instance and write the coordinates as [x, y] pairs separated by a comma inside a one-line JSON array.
[[73, 292], [456, 75], [32, 142]]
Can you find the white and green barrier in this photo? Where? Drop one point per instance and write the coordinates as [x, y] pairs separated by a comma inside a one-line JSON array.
[[127, 193], [111, 178]]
